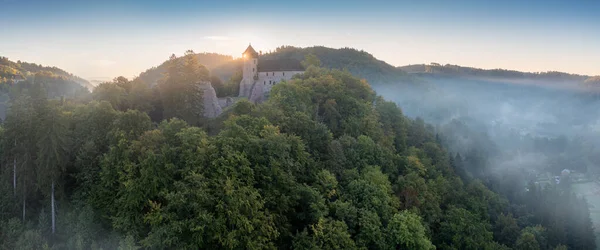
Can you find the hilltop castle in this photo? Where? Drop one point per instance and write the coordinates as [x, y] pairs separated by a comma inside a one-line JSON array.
[[259, 77]]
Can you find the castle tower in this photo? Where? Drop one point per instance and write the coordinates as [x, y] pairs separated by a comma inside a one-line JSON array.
[[249, 69]]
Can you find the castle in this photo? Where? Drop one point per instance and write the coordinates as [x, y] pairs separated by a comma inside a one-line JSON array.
[[259, 77]]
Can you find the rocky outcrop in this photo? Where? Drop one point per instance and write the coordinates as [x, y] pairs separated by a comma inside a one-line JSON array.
[[257, 93], [211, 102], [245, 87], [225, 102]]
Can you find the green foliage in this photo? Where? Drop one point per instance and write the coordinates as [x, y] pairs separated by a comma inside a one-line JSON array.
[[561, 247], [539, 237], [322, 164], [506, 229], [132, 123], [406, 231], [527, 241], [110, 92], [52, 145], [128, 244], [243, 107], [229, 88], [31, 240], [461, 229], [325, 234], [180, 90], [11, 230], [311, 60]]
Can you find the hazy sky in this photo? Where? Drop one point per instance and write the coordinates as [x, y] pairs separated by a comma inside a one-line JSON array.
[[105, 38]]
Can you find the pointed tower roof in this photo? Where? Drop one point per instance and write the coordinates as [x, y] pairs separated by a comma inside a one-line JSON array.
[[250, 52]]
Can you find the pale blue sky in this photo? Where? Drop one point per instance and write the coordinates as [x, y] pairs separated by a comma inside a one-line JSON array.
[[110, 38]]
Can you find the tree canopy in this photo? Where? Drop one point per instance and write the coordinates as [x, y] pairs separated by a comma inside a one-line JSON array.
[[324, 163]]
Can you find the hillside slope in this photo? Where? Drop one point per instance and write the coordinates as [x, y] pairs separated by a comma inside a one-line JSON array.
[[57, 82], [10, 69]]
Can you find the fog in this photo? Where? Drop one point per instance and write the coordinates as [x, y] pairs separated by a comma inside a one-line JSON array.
[[523, 127], [512, 134]]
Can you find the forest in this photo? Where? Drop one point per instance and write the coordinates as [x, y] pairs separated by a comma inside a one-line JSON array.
[[324, 163], [10, 69], [456, 70]]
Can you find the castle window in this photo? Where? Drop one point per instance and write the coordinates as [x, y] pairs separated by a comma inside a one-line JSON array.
[[265, 83], [269, 81], [283, 73]]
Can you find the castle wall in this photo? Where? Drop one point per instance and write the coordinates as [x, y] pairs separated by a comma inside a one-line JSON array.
[[269, 79], [266, 81]]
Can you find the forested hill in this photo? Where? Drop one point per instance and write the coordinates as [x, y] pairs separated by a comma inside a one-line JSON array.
[[324, 163], [594, 80], [10, 69], [359, 63], [58, 83], [221, 65], [461, 71]]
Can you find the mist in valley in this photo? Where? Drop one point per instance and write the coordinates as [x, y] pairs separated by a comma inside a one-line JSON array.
[[540, 125], [513, 135]]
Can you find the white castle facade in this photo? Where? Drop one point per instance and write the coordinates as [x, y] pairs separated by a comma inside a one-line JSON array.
[[258, 79]]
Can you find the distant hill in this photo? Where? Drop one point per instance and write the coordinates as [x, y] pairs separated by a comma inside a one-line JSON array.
[[359, 63], [94, 81], [461, 71], [220, 65], [9, 70], [595, 80], [19, 75], [592, 84]]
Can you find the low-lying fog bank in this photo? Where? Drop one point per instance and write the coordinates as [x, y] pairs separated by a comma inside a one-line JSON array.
[[532, 126]]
